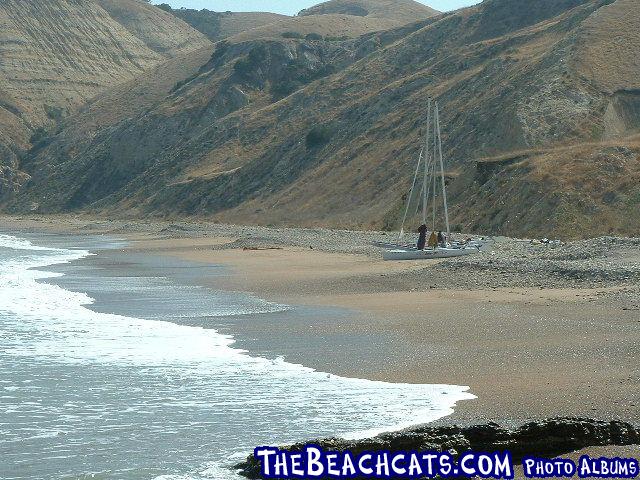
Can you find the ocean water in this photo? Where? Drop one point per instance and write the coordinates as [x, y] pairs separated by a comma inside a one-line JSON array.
[[88, 394]]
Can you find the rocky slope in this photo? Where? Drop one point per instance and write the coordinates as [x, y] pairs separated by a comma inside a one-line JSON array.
[[56, 55], [540, 121]]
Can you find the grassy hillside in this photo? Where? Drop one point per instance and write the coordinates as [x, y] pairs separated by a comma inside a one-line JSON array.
[[220, 25], [399, 11], [334, 19], [56, 55], [113, 41], [541, 133], [331, 26]]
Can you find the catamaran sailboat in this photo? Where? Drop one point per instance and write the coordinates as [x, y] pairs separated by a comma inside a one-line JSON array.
[[431, 165]]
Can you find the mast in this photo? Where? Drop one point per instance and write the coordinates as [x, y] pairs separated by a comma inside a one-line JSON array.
[[444, 185], [433, 174], [426, 167], [413, 186]]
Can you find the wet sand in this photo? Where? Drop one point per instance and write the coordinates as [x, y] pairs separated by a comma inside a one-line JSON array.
[[527, 353]]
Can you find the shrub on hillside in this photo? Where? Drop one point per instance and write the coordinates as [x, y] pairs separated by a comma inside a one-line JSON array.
[[249, 64], [318, 136], [337, 39], [292, 35], [298, 74]]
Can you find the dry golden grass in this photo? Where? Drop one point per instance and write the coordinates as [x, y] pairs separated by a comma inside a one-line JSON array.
[[582, 190], [600, 186], [135, 96], [59, 54], [235, 23], [331, 25], [343, 18], [400, 11], [609, 42]]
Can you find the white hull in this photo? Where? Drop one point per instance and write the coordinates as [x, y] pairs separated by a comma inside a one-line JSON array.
[[428, 253]]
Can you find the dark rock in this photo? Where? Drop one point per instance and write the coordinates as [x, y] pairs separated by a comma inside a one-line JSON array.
[[548, 438]]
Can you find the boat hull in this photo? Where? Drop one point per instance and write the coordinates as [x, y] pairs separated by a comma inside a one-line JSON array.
[[427, 254]]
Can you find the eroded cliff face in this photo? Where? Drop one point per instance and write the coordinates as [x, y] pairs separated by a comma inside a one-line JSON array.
[[57, 54], [60, 53]]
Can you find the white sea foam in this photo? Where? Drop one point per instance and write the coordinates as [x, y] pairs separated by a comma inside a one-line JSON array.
[[48, 322], [15, 243]]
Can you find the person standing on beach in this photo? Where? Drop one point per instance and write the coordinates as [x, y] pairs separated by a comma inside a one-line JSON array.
[[422, 239], [433, 240]]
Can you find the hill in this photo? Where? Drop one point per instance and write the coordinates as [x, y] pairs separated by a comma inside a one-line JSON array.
[[398, 11], [220, 25], [540, 109], [113, 41], [46, 72], [333, 19], [331, 26]]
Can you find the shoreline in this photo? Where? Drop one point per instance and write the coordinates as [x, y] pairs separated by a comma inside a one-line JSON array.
[[528, 352]]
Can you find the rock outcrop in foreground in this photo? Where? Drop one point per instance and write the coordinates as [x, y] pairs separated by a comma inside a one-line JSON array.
[[549, 438]]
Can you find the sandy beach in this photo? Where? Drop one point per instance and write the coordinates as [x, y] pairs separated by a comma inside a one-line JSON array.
[[527, 353], [527, 347]]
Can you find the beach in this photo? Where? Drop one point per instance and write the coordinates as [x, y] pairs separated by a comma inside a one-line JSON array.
[[527, 353], [527, 347], [118, 364], [535, 330]]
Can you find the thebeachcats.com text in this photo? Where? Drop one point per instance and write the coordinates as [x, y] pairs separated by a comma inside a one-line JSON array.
[[313, 462]]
